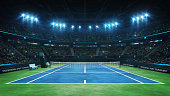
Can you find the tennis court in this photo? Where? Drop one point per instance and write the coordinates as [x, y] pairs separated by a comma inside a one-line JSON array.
[[85, 73]]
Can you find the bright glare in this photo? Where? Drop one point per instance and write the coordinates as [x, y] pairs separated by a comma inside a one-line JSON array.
[[72, 26], [79, 27], [116, 23], [64, 25], [32, 18], [146, 15], [36, 19], [23, 15], [53, 23], [137, 18], [28, 16], [141, 17]]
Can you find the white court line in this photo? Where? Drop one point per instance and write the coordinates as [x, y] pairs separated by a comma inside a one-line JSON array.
[[45, 75], [84, 81], [83, 72], [32, 75], [85, 68], [87, 83], [142, 76], [123, 74]]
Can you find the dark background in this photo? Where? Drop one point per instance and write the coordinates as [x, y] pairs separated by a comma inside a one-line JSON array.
[[83, 11]]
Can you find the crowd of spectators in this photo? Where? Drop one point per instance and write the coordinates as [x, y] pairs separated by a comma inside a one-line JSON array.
[[22, 52], [10, 55], [159, 55]]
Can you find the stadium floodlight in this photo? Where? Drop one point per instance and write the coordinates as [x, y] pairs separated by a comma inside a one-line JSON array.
[[72, 26], [64, 25], [133, 19], [23, 15], [32, 18], [60, 25], [36, 19], [116, 23], [137, 18], [90, 27], [28, 16], [79, 27], [146, 14], [53, 23], [140, 17], [109, 25], [105, 25], [52, 45], [97, 26]]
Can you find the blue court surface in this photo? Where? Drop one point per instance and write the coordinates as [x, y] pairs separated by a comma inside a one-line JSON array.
[[85, 74]]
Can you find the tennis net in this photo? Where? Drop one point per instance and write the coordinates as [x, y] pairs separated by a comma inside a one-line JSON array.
[[88, 64]]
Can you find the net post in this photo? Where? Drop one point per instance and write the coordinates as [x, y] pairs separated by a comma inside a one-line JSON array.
[[119, 64]]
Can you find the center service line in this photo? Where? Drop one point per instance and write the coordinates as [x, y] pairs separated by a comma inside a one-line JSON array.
[[85, 68], [84, 81]]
